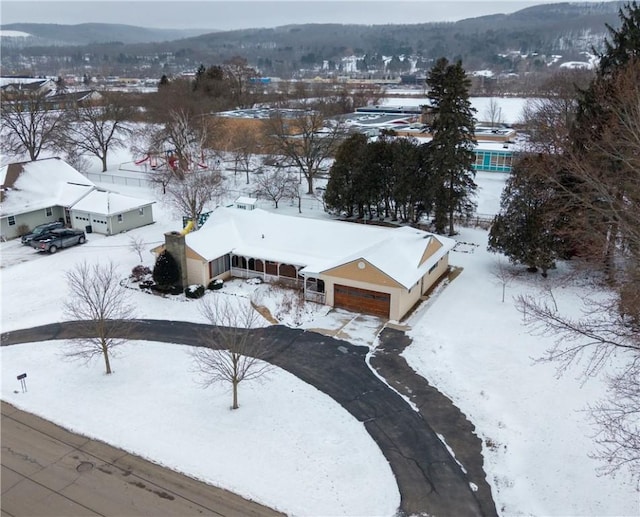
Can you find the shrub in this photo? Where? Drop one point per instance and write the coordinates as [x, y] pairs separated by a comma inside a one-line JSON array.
[[167, 289], [166, 271], [23, 229], [215, 284], [194, 291], [146, 284], [139, 273]]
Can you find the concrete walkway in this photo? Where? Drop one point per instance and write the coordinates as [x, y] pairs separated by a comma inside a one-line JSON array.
[[429, 478]]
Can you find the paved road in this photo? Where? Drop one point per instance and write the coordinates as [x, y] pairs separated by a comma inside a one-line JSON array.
[[429, 479], [48, 471]]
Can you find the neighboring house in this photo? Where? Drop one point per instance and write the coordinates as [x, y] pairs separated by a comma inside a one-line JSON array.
[[41, 191], [110, 213], [362, 268], [32, 193], [72, 99], [11, 87]]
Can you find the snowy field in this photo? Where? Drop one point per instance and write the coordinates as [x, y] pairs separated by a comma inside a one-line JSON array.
[[293, 448], [509, 108]]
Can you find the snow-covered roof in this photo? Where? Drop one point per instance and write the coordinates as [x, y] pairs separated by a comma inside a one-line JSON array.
[[29, 186], [245, 200], [109, 203], [317, 245]]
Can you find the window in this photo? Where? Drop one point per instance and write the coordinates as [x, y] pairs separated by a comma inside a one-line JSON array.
[[48, 211], [219, 265], [119, 218], [12, 220], [141, 210]]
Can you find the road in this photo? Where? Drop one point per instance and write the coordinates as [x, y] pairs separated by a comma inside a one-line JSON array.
[[48, 471], [429, 478]]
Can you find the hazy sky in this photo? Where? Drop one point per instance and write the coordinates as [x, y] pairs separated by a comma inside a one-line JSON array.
[[225, 15]]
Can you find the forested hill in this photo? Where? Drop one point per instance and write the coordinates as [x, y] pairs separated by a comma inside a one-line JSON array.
[[48, 34], [565, 29]]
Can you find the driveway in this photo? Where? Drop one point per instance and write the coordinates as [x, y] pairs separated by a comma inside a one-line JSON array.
[[429, 478]]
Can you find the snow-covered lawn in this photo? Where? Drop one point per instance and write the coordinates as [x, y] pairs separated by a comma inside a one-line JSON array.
[[289, 446]]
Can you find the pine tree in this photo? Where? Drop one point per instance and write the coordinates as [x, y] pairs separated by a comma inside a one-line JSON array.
[[525, 228], [453, 127], [345, 173], [165, 270]]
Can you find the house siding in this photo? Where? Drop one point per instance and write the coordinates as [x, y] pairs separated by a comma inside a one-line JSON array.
[[109, 225], [30, 219], [131, 220]]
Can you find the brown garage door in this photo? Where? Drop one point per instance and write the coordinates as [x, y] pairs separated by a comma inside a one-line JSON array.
[[362, 300]]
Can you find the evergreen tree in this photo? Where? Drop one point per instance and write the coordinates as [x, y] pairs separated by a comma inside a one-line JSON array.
[[453, 127], [165, 270], [525, 229], [603, 145], [624, 43], [345, 174]]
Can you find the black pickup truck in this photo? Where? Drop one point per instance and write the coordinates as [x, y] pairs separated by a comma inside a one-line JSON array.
[[59, 238]]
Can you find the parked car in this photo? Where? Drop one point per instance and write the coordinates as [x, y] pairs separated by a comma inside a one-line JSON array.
[[40, 230], [59, 238]]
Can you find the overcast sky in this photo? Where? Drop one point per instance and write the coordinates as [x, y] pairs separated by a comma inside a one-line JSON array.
[[238, 14]]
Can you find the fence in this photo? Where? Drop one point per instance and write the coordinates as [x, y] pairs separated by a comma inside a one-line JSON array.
[[119, 179]]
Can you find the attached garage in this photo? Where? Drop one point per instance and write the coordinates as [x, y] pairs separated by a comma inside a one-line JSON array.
[[362, 300]]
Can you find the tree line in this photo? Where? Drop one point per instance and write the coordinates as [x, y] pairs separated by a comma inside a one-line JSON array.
[[575, 193], [400, 179]]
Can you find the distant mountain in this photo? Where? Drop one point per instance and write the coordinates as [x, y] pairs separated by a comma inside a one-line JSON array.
[[47, 34], [532, 39]]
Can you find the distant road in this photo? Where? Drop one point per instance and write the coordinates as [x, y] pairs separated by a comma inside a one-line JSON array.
[[48, 471]]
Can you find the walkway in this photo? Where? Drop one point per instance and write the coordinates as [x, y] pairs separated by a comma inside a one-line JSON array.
[[429, 478]]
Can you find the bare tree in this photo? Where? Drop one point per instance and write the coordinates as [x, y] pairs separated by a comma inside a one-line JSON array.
[[503, 274], [190, 195], [99, 126], [230, 354], [240, 77], [306, 140], [244, 145], [137, 245], [598, 180], [183, 137], [28, 124], [493, 113], [276, 185], [96, 299], [616, 416]]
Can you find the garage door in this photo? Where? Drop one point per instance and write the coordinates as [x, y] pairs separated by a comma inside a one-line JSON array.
[[362, 300]]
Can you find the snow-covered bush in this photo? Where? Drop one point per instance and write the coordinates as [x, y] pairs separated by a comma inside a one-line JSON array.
[[139, 273], [194, 291], [215, 284]]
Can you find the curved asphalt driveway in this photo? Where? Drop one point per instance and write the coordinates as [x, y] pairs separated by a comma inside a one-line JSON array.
[[429, 478]]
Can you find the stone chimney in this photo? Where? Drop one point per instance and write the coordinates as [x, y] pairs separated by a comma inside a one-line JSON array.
[[174, 243]]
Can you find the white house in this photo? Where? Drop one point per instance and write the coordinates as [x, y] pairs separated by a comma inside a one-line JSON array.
[[41, 191], [364, 268]]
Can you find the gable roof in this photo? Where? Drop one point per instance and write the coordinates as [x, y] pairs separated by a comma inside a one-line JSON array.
[[108, 203], [318, 245], [28, 186]]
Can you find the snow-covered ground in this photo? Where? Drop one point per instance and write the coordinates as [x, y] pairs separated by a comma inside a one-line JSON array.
[[509, 108], [289, 446]]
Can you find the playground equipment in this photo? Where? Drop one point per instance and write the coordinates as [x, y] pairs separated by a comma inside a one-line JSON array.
[[168, 160], [188, 228]]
